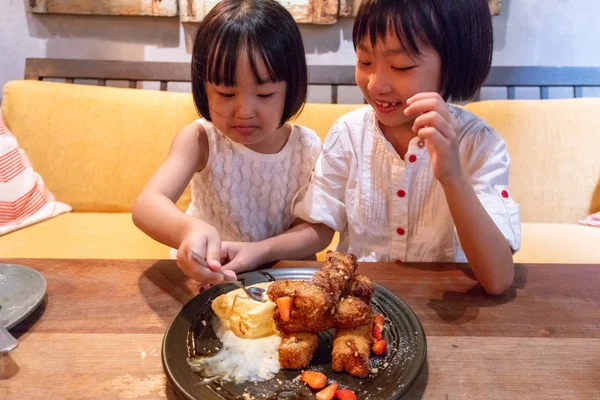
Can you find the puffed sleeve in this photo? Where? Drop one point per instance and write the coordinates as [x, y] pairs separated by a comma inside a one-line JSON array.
[[485, 159], [323, 200]]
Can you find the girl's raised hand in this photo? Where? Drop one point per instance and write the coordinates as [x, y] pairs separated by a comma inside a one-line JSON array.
[[435, 125]]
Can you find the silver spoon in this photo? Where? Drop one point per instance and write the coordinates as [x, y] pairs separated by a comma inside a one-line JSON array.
[[7, 341], [254, 293]]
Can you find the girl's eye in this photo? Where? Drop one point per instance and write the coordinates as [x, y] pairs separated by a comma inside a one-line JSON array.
[[226, 95], [365, 63], [403, 69], [266, 96]]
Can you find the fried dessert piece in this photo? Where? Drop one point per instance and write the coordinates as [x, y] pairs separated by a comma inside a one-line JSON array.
[[297, 349], [313, 302], [334, 297], [283, 288], [351, 350], [352, 312], [310, 309], [362, 287], [336, 274], [300, 324]]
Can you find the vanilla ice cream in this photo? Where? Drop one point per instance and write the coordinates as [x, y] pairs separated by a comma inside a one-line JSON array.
[[247, 318]]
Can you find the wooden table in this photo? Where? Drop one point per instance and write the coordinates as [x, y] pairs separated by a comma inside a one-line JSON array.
[[98, 333]]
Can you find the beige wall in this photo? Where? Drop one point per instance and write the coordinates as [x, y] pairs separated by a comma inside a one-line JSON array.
[[529, 32]]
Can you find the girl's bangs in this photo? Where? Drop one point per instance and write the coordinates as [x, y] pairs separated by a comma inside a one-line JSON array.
[[222, 58], [378, 20]]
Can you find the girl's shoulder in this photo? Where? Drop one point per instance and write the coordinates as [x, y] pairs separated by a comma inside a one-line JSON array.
[[192, 132], [352, 127], [305, 134], [305, 138], [191, 144], [359, 119], [476, 139], [206, 127], [473, 128]]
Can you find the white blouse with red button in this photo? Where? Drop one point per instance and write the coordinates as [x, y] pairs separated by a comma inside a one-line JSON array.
[[391, 209]]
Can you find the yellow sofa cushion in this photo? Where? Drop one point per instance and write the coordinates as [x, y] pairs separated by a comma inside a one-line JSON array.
[[558, 243], [83, 235], [554, 146], [95, 147]]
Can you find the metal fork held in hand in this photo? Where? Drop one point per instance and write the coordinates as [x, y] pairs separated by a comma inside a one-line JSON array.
[[253, 292]]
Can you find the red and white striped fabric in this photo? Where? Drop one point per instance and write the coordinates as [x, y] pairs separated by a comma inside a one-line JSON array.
[[591, 220], [24, 200]]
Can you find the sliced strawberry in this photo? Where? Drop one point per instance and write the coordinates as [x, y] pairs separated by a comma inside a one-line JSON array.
[[328, 392], [284, 304], [380, 321], [345, 394], [379, 347], [377, 333], [314, 379]]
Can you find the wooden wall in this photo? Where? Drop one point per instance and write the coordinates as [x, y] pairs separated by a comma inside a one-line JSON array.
[[321, 12]]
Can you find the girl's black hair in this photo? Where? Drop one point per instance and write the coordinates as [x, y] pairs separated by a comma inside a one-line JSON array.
[[460, 31], [262, 28]]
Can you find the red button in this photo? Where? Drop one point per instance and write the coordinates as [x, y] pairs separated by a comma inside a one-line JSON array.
[[412, 158], [400, 231], [505, 194], [401, 193]]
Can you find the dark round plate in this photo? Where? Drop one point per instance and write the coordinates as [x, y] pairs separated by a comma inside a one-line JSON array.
[[391, 376]]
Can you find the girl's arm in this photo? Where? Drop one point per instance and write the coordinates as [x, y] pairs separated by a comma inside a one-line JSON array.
[[486, 248], [156, 214], [484, 245], [301, 241]]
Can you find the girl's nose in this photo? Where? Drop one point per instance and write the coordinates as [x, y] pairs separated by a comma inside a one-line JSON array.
[[379, 84], [245, 109]]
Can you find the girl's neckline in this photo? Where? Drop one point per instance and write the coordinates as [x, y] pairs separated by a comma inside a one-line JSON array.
[[281, 154]]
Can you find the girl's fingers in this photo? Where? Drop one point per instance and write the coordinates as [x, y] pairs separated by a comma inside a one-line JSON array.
[[200, 273], [424, 95], [198, 270], [224, 252], [422, 106], [213, 252], [434, 120], [230, 274], [432, 137]]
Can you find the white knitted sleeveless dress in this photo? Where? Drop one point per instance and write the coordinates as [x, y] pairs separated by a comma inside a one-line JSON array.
[[245, 195]]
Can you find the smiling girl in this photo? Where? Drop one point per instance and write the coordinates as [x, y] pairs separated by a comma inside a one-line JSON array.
[[410, 177]]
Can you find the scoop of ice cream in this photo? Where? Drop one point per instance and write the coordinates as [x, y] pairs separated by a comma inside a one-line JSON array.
[[247, 318]]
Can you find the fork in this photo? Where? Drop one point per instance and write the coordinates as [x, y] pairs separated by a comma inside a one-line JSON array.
[[254, 293]]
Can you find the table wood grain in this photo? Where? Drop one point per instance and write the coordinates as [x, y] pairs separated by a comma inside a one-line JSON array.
[[99, 331]]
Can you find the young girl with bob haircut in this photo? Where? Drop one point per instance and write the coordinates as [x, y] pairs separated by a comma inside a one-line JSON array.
[[244, 160]]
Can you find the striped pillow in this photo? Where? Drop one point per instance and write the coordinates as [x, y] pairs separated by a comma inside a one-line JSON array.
[[24, 200], [591, 220]]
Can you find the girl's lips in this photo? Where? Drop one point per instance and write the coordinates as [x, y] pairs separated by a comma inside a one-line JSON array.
[[245, 130], [385, 108]]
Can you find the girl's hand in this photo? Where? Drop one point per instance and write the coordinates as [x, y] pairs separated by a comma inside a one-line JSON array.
[[205, 241], [243, 256], [435, 125]]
